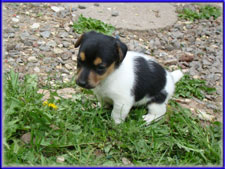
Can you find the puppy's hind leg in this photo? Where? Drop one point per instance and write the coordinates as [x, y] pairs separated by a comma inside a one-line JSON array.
[[155, 112], [120, 111]]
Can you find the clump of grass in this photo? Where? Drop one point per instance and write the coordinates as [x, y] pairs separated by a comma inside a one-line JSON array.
[[88, 24], [205, 12], [85, 135], [189, 87]]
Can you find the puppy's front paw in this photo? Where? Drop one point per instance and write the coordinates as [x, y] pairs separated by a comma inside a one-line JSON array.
[[99, 104], [149, 118], [117, 120]]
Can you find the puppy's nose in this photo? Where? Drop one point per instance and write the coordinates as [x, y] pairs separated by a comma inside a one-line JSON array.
[[81, 83]]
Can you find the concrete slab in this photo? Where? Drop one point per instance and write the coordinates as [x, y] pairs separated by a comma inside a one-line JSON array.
[[134, 16]]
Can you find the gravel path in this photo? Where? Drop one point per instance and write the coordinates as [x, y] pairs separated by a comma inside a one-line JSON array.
[[38, 38]]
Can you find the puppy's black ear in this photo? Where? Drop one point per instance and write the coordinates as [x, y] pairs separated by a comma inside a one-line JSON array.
[[78, 42], [121, 49]]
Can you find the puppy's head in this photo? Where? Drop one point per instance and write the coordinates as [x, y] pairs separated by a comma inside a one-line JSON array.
[[99, 55]]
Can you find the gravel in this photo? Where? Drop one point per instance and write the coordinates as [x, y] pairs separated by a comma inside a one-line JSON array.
[[195, 47]]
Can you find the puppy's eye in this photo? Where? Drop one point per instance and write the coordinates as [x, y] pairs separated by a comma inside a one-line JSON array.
[[101, 68]]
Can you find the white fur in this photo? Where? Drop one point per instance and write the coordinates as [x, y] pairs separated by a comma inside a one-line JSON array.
[[117, 89]]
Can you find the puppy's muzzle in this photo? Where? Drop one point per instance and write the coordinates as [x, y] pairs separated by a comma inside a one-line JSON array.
[[84, 84]]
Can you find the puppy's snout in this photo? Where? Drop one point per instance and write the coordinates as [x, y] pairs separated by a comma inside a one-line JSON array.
[[81, 83]]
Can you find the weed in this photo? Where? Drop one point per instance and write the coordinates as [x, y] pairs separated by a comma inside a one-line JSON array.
[[39, 14], [85, 135], [87, 24], [189, 87], [205, 12]]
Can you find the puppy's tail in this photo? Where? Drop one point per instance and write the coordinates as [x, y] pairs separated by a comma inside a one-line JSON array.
[[177, 75]]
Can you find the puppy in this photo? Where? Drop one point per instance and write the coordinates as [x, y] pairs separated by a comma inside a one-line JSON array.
[[123, 78]]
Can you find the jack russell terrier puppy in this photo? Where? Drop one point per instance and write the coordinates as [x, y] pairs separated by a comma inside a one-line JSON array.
[[123, 78]]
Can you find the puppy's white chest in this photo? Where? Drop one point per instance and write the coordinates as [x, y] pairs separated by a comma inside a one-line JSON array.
[[103, 94]]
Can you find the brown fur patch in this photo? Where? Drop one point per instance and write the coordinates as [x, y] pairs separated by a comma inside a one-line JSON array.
[[97, 61], [119, 51], [82, 56], [94, 78], [79, 72], [79, 41]]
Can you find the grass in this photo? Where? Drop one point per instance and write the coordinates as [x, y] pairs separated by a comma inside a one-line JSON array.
[[88, 24], [205, 12], [189, 87], [84, 134]]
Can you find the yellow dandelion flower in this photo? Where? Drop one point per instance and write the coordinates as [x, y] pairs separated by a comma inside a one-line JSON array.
[[45, 102], [52, 106]]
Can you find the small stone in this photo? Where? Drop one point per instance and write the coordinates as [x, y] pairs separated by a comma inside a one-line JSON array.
[[45, 34], [184, 101], [171, 62], [44, 48], [11, 60], [64, 70], [35, 26], [65, 80], [15, 20], [74, 57], [51, 43], [58, 51], [68, 66], [187, 57], [189, 49], [64, 13], [176, 45], [66, 55], [40, 42], [126, 161], [48, 69], [66, 92], [63, 34], [28, 43], [67, 28], [9, 30], [57, 9], [32, 59], [24, 35], [115, 13], [205, 116], [206, 62], [73, 9], [60, 45], [26, 138], [177, 35], [14, 53], [19, 60], [47, 60], [10, 47], [96, 4], [169, 47], [136, 46], [157, 42], [59, 60], [46, 94], [66, 44], [36, 69], [11, 35], [211, 106], [81, 7]]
